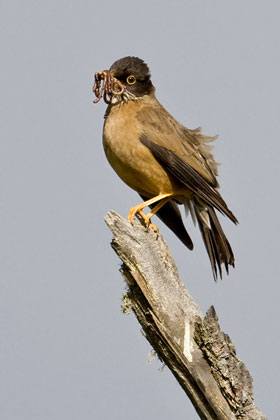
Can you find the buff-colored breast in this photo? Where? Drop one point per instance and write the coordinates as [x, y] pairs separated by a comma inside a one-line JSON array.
[[131, 160]]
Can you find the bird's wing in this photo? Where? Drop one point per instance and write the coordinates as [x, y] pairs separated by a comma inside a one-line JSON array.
[[189, 145], [162, 137]]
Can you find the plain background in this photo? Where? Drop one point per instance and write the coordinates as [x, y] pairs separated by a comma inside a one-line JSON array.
[[67, 351]]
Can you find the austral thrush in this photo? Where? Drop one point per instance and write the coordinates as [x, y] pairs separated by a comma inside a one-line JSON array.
[[165, 162]]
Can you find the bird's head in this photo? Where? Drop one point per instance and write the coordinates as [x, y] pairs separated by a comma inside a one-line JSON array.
[[127, 79]]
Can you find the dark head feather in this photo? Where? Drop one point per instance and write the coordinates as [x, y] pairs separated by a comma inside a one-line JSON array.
[[128, 66]]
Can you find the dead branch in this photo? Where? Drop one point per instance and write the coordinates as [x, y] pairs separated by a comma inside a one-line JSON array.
[[201, 357]]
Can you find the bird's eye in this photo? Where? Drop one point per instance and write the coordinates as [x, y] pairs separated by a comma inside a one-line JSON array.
[[131, 79]]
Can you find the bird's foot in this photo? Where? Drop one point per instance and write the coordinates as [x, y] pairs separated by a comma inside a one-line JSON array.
[[146, 219]]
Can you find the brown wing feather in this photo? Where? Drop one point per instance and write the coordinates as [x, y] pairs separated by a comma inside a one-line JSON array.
[[188, 176], [189, 145]]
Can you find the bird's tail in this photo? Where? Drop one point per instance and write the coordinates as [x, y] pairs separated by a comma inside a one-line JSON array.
[[216, 243]]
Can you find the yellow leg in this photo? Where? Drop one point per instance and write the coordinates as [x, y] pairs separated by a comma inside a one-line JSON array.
[[156, 209], [163, 198]]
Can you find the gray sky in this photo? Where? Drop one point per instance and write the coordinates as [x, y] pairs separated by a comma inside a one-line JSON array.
[[66, 351]]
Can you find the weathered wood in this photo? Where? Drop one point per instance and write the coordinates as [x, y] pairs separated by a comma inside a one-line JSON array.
[[201, 357]]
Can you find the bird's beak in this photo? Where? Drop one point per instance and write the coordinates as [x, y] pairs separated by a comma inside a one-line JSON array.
[[106, 85]]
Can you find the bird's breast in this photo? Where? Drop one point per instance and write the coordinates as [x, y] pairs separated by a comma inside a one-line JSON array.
[[131, 160]]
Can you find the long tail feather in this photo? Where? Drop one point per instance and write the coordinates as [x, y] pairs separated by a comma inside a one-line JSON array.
[[216, 243]]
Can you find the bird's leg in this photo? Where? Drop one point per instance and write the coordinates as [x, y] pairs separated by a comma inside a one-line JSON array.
[[162, 198], [147, 218], [156, 209]]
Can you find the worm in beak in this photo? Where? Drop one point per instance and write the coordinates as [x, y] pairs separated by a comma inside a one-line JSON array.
[[106, 85]]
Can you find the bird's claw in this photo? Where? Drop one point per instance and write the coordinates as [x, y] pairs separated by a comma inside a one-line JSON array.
[[136, 212]]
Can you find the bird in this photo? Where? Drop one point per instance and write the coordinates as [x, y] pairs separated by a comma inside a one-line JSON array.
[[167, 163]]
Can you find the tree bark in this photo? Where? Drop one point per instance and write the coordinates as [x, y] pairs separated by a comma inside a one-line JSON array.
[[201, 357]]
